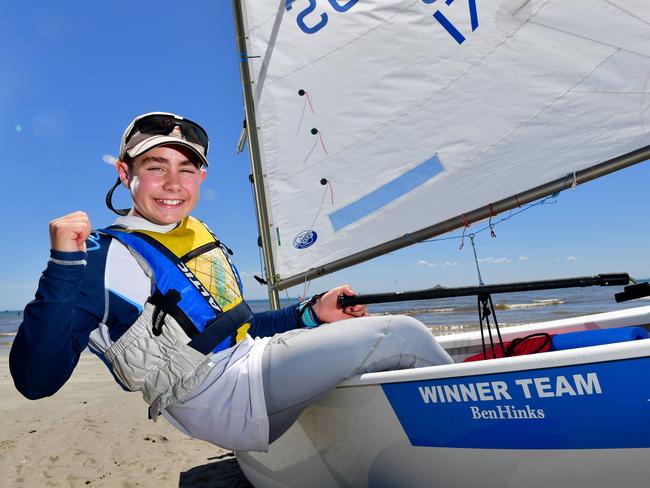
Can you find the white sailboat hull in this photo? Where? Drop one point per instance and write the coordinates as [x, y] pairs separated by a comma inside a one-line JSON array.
[[577, 417]]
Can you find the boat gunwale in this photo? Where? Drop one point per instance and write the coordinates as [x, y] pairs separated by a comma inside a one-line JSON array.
[[634, 315], [553, 359]]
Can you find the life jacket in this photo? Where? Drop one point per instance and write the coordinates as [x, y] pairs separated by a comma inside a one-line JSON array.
[[194, 281]]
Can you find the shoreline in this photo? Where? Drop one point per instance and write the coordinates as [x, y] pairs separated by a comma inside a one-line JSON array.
[[91, 433]]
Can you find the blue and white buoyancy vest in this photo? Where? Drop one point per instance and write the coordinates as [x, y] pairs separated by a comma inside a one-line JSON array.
[[196, 307], [194, 281]]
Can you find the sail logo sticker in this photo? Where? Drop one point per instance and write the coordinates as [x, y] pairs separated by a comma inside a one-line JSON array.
[[305, 239], [451, 29]]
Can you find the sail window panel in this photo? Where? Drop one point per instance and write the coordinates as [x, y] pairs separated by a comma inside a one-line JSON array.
[[386, 194]]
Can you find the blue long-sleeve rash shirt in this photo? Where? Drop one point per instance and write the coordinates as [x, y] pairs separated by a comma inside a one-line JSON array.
[[91, 297]]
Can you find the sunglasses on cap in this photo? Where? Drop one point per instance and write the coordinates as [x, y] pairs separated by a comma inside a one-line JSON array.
[[161, 124]]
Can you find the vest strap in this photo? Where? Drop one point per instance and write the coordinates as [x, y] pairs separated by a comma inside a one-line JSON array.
[[222, 328]]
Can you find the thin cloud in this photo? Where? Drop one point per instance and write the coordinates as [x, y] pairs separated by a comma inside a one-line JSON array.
[[208, 193], [248, 278], [422, 262], [495, 260], [571, 258], [17, 286], [523, 258], [450, 263], [108, 159]]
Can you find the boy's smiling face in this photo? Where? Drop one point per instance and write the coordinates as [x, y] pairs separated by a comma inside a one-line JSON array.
[[164, 183]]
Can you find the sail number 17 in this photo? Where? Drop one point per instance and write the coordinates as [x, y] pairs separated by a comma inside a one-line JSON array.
[[310, 21]]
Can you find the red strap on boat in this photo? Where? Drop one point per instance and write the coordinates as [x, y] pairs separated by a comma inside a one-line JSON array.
[[531, 344]]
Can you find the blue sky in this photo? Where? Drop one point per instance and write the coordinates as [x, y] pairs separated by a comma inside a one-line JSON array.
[[75, 73]]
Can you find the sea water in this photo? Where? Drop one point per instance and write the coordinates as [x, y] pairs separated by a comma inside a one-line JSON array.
[[450, 315]]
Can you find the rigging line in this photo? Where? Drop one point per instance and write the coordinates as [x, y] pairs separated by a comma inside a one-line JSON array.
[[302, 116], [306, 286], [478, 268], [261, 78], [320, 135], [545, 201], [241, 143], [259, 246], [329, 185], [307, 101], [310, 151], [511, 214], [320, 208], [490, 224], [311, 107], [466, 226], [259, 253]]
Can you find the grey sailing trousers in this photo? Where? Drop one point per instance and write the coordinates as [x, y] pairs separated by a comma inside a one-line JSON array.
[[302, 365]]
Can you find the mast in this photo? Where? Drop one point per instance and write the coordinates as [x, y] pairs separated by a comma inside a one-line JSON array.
[[253, 145], [477, 215]]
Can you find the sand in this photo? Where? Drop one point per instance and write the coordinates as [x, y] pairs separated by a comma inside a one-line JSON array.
[[93, 434]]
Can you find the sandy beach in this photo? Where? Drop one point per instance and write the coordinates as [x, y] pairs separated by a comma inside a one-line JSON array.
[[91, 433]]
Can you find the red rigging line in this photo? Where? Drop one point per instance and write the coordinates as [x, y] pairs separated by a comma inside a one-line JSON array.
[[490, 224], [322, 143], [466, 225], [304, 93]]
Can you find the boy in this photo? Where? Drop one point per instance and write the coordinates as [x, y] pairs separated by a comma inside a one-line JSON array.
[[156, 297]]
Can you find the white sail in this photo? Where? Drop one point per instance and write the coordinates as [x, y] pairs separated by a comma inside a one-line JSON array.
[[378, 118]]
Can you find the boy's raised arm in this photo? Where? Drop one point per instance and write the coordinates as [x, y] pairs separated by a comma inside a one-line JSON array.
[[55, 327]]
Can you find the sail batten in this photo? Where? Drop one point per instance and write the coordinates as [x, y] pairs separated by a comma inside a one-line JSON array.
[[379, 119]]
